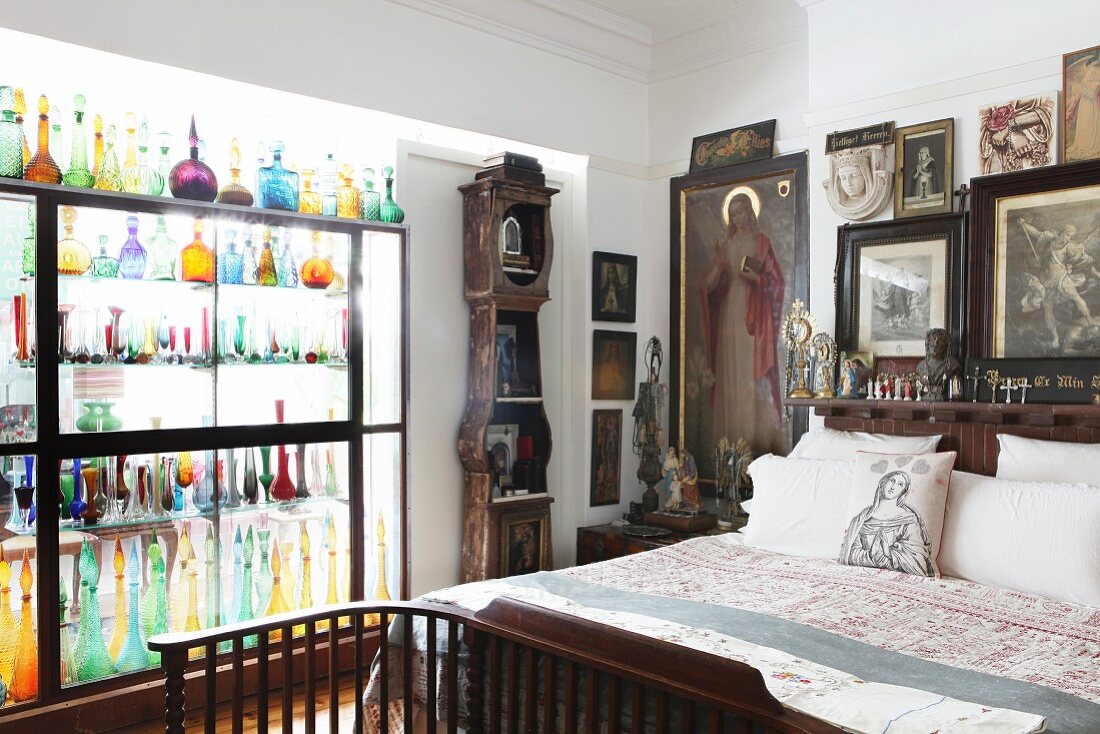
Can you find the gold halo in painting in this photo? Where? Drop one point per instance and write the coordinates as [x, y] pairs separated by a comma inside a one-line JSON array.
[[747, 191]]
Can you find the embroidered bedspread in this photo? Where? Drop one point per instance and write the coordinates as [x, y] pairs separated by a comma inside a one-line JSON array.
[[867, 649]]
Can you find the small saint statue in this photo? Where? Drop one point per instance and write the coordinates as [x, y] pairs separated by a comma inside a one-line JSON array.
[[938, 367]]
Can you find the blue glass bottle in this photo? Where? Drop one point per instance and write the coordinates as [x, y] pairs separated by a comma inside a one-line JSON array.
[[278, 186], [288, 269], [231, 262], [251, 266], [11, 136], [131, 260]]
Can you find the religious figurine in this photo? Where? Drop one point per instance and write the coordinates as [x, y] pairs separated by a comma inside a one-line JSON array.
[[937, 367], [860, 182], [825, 354], [689, 481], [647, 424], [672, 479], [848, 381]]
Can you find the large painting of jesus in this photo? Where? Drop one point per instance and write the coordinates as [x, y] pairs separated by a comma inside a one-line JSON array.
[[739, 258]]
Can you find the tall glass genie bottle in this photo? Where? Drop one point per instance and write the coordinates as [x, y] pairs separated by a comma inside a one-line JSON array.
[[42, 167], [191, 178], [391, 212], [131, 260], [278, 185], [78, 173], [68, 663], [93, 661], [118, 634], [109, 177], [164, 251], [234, 192], [141, 178], [11, 136], [197, 259], [288, 270], [265, 273], [9, 628], [134, 655], [24, 683], [97, 144], [57, 150]]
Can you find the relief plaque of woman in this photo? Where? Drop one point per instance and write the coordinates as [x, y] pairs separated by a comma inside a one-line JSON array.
[[889, 533], [860, 182], [741, 296]]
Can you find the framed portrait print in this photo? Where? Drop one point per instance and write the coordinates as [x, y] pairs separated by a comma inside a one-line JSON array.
[[924, 157], [1035, 279], [898, 279], [525, 543], [613, 363], [614, 287], [739, 258], [500, 443], [1081, 105], [607, 435]]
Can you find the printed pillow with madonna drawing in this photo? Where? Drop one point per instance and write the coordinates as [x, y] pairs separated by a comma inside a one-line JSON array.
[[896, 511]]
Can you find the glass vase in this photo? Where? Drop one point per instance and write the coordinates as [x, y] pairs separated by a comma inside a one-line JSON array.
[[91, 514], [390, 211], [266, 477], [197, 259], [232, 495], [251, 483], [109, 177], [282, 489], [192, 178], [42, 167], [278, 187], [300, 490], [132, 257], [11, 136]]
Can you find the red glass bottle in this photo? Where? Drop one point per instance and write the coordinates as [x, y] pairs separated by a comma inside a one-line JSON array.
[[282, 489], [197, 259]]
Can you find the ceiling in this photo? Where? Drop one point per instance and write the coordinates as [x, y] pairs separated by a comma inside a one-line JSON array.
[[643, 40]]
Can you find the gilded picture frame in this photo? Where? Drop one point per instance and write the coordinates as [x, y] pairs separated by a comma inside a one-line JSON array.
[[524, 543], [924, 164]]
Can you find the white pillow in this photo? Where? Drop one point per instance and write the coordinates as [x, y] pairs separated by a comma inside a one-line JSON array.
[[746, 507], [1034, 537], [1032, 460], [829, 443], [799, 506]]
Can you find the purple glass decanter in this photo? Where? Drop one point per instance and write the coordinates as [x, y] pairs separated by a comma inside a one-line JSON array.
[[191, 178]]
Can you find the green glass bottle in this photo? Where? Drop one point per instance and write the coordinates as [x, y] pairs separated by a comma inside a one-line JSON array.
[[371, 199], [55, 138], [149, 598], [245, 611], [11, 136], [103, 265], [109, 177], [140, 177], [266, 274], [164, 250], [134, 655], [390, 211], [93, 661], [29, 242], [212, 616], [68, 664], [78, 173], [264, 578]]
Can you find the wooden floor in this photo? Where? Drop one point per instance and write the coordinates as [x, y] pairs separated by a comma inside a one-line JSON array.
[[194, 721]]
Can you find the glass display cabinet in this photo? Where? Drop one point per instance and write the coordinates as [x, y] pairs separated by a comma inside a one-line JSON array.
[[202, 421]]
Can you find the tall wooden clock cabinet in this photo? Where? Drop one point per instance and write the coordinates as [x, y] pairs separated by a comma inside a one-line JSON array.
[[505, 439]]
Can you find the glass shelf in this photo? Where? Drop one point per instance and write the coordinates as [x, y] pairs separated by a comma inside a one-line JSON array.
[[124, 366], [135, 283], [250, 290]]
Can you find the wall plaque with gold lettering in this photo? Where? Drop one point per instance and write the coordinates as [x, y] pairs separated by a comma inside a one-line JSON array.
[[1054, 381]]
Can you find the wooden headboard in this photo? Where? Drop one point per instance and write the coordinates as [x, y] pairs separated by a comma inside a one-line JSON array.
[[969, 428]]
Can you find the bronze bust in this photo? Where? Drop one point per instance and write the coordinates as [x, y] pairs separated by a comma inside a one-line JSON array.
[[937, 367]]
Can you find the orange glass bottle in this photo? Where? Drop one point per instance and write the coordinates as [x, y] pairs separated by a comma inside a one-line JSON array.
[[317, 271], [197, 259], [9, 628], [97, 149], [24, 683], [42, 167]]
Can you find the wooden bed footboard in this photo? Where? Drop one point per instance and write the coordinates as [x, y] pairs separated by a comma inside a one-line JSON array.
[[524, 668]]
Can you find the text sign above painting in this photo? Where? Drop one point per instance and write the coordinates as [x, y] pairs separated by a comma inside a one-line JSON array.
[[736, 145], [1063, 381], [878, 134]]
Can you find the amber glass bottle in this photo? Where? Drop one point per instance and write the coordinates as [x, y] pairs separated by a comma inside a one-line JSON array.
[[197, 259], [42, 167]]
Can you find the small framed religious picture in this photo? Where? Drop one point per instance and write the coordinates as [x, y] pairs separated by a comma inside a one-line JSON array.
[[607, 441], [614, 287], [924, 159], [525, 543], [1081, 105], [613, 364]]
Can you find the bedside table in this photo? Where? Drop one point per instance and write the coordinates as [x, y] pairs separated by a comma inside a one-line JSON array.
[[604, 542]]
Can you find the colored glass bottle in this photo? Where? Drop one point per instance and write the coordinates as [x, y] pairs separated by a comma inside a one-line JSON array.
[[381, 591], [56, 147], [149, 597], [97, 145], [265, 273], [266, 478], [251, 483], [251, 266], [164, 163], [213, 619], [68, 663], [103, 265], [178, 605], [73, 256], [278, 604], [309, 201], [231, 262], [130, 161], [91, 513], [93, 661], [109, 177], [288, 271], [245, 609], [348, 200], [9, 628], [24, 683], [132, 258], [29, 242], [282, 489], [330, 549], [42, 167], [264, 579], [317, 271], [300, 490], [78, 173], [11, 136], [234, 192], [328, 185], [197, 259], [278, 187], [134, 654], [164, 251], [193, 179], [118, 635], [234, 611], [140, 177], [390, 211], [19, 107], [232, 495]]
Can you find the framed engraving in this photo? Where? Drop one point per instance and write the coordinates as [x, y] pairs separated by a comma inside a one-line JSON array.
[[924, 158]]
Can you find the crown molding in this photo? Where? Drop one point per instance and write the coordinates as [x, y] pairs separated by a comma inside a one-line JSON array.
[[590, 14]]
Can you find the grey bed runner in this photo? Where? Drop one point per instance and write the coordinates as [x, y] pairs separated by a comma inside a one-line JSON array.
[[1066, 714]]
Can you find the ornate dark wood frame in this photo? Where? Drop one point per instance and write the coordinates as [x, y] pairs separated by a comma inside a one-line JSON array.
[[948, 168], [985, 192], [631, 262], [795, 164], [595, 451], [851, 238]]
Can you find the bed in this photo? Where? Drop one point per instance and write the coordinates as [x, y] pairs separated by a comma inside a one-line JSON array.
[[713, 635]]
